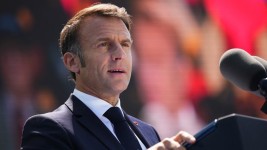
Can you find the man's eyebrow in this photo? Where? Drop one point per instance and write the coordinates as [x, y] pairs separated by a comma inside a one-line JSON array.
[[128, 40], [103, 39], [108, 39]]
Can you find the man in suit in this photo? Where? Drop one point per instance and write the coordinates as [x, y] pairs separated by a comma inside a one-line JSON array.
[[96, 48]]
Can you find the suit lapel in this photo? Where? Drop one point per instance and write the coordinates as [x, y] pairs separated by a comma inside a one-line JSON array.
[[90, 121], [138, 131]]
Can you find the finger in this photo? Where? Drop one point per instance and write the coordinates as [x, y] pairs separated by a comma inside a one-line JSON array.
[[183, 136], [170, 144]]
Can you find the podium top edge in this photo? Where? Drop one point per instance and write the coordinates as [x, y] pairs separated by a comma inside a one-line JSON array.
[[236, 115]]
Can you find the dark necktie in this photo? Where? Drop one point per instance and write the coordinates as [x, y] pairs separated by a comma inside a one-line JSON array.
[[122, 129]]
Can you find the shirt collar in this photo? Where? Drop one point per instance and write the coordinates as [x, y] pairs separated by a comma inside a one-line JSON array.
[[97, 105]]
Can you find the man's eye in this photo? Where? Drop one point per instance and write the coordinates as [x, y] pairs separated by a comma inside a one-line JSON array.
[[104, 44], [126, 44]]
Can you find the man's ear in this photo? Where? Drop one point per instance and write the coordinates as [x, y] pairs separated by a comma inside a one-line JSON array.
[[72, 62]]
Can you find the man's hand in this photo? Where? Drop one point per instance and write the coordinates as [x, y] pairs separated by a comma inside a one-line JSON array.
[[175, 142]]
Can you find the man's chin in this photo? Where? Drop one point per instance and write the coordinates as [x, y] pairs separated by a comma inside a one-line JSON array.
[[119, 89]]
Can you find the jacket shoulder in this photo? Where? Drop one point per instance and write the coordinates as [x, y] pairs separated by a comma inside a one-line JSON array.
[[49, 130]]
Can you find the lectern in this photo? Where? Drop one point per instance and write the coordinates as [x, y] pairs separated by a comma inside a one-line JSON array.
[[232, 132]]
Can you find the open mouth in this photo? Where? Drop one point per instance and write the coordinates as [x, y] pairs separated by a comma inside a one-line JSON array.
[[116, 71]]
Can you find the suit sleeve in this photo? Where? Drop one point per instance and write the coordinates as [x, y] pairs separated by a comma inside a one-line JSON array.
[[42, 133]]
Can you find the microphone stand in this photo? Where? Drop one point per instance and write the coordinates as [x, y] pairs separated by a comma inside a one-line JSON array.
[[263, 91]]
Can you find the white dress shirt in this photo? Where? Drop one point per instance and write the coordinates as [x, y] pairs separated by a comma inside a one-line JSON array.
[[99, 107]]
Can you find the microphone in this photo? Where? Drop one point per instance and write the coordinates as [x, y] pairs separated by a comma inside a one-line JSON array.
[[262, 61], [241, 69], [263, 82], [246, 71]]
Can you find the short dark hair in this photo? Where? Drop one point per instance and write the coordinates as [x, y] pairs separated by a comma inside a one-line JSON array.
[[69, 38]]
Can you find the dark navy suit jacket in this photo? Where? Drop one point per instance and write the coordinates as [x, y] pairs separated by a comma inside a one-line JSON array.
[[73, 126]]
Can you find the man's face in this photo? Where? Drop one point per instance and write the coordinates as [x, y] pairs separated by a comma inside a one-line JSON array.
[[106, 46]]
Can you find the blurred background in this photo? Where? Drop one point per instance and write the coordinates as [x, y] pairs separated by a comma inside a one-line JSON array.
[[176, 83]]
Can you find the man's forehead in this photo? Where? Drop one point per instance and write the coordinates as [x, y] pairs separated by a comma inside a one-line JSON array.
[[102, 20], [103, 27]]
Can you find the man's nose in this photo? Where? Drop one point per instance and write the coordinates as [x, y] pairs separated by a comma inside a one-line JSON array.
[[118, 53]]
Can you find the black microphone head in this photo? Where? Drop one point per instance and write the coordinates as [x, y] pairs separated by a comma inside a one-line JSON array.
[[262, 61], [241, 69]]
